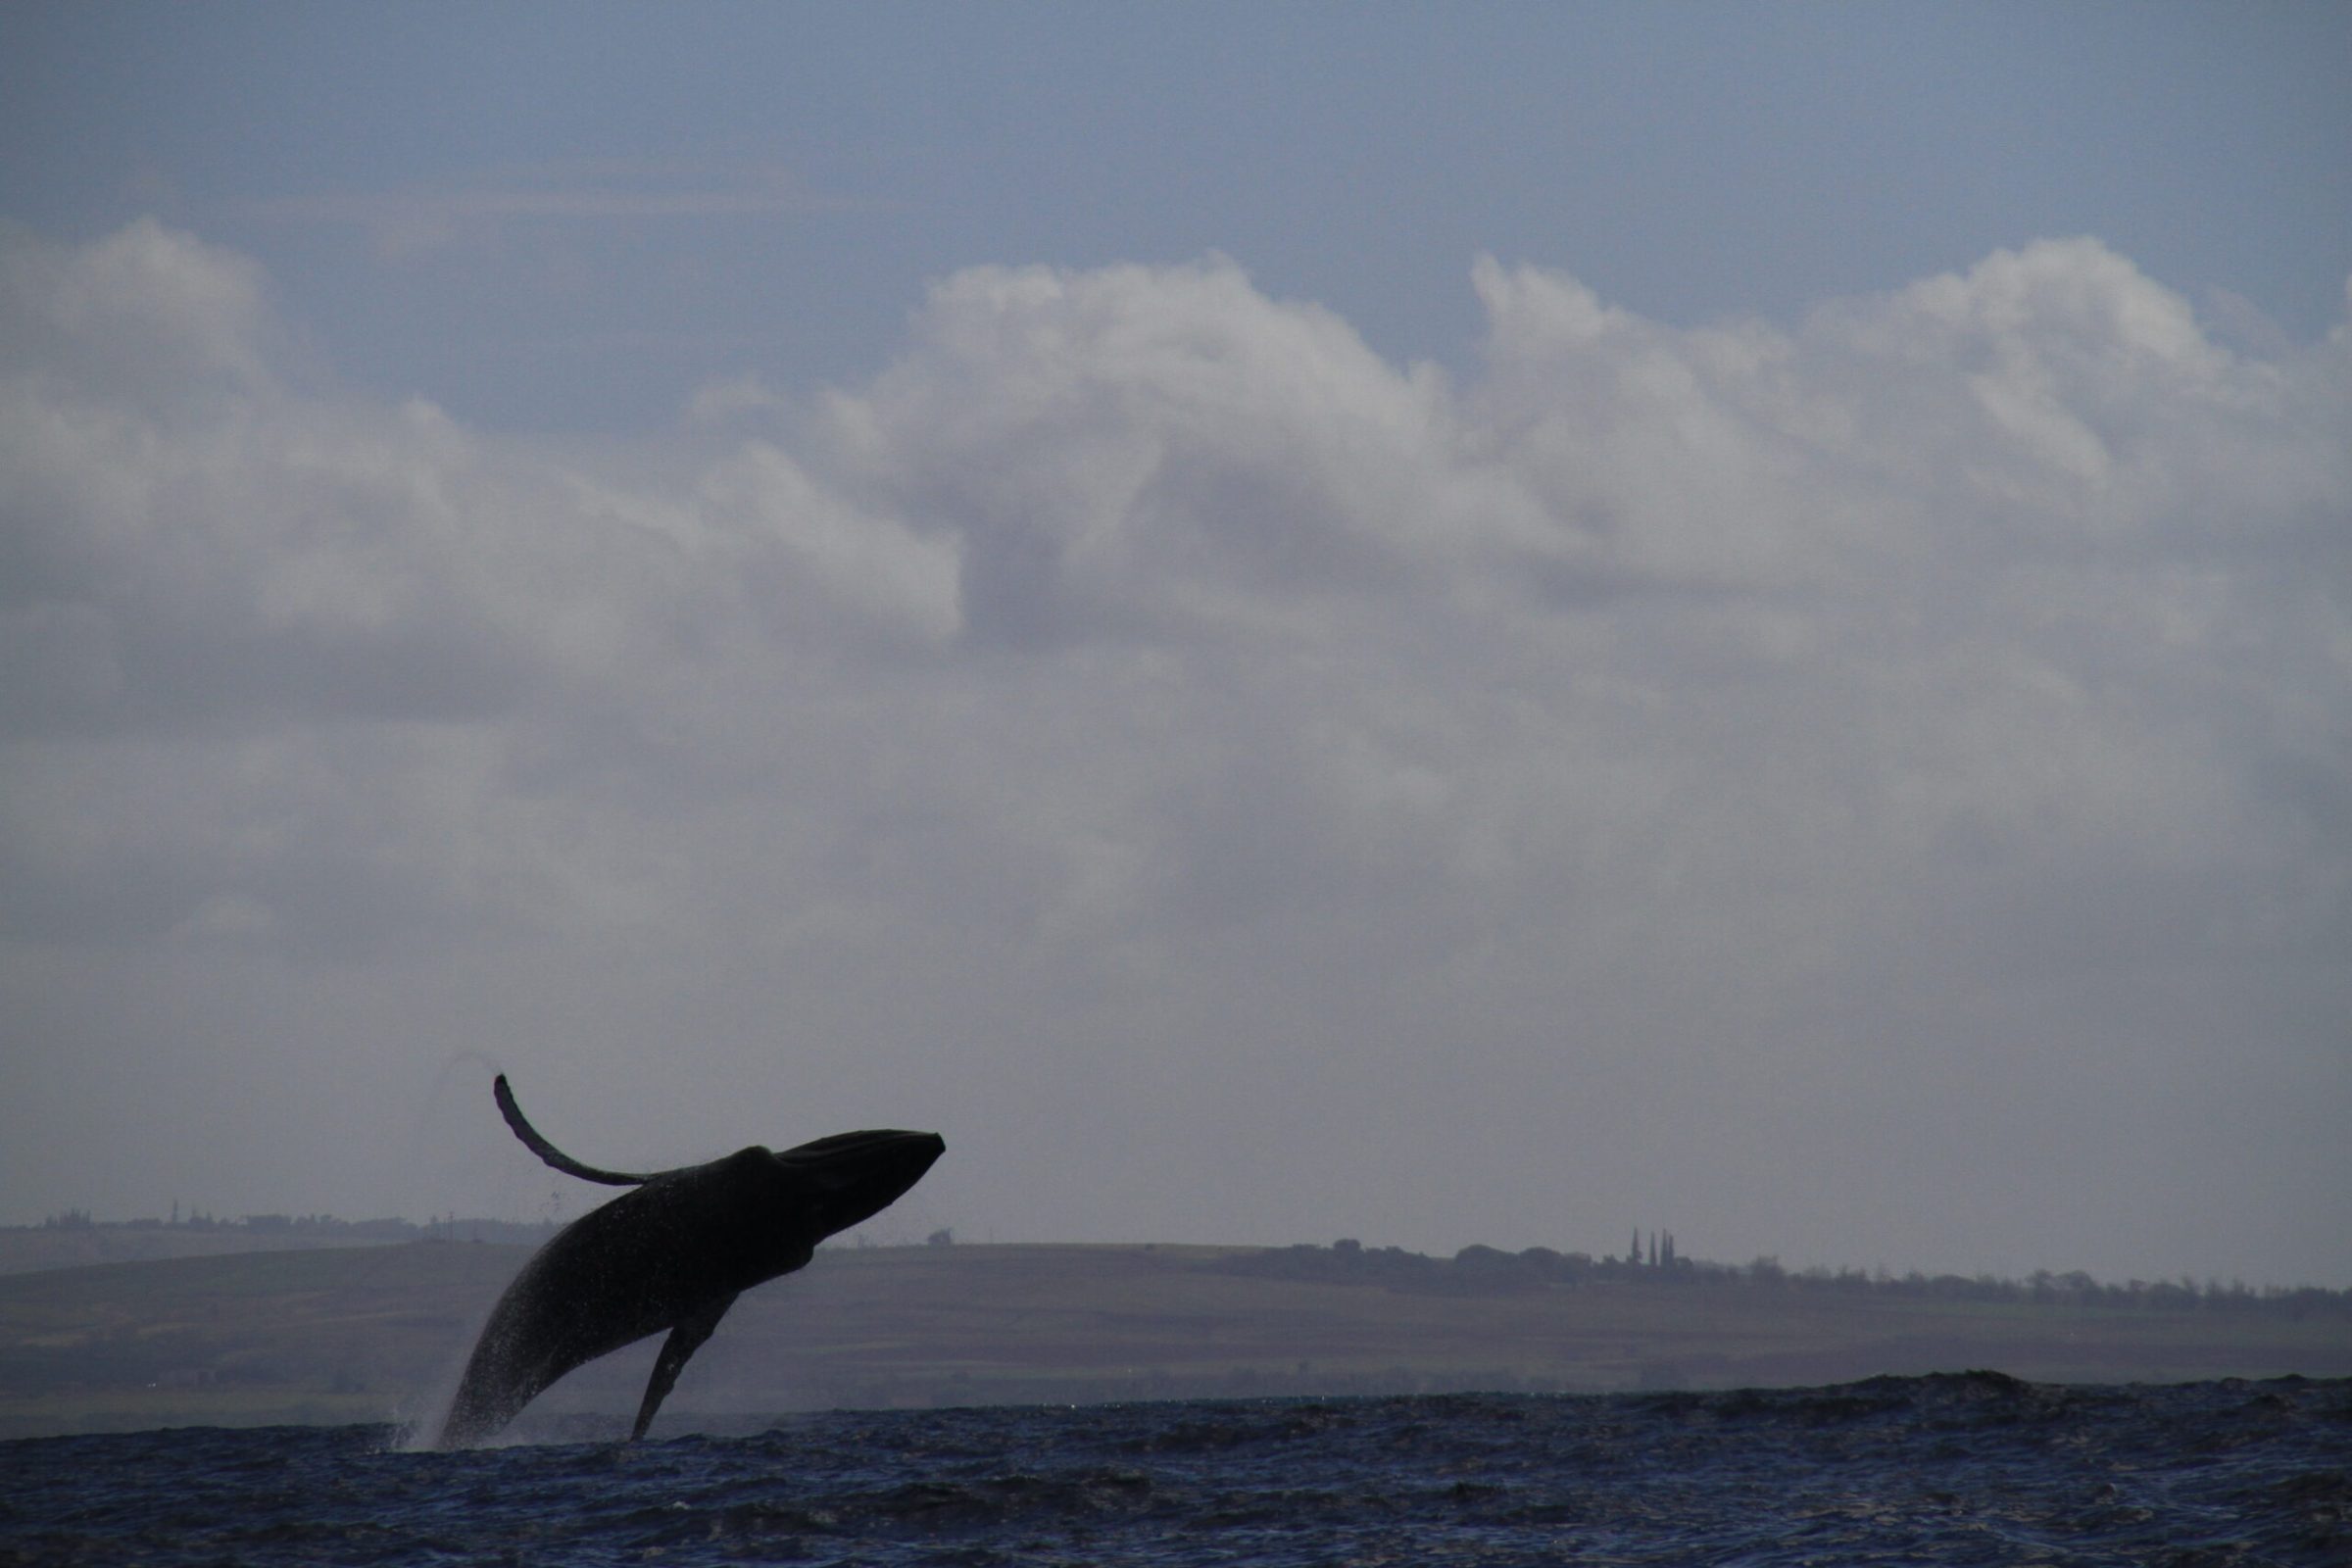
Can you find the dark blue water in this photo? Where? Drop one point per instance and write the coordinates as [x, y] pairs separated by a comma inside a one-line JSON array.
[[1972, 1468]]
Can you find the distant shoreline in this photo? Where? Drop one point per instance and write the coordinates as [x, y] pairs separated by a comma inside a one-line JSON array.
[[75, 1239]]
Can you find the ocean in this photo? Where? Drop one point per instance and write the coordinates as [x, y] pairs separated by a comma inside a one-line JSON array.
[[1968, 1468]]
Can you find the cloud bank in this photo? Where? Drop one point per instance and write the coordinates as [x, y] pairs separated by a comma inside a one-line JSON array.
[[1876, 790]]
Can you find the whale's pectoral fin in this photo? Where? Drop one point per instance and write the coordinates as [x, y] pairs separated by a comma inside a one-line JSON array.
[[684, 1339], [550, 1152]]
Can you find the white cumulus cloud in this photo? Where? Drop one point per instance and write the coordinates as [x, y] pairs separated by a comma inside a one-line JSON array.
[[1867, 789]]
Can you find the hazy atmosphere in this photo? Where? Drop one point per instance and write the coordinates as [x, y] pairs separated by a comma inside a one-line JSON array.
[[1431, 624]]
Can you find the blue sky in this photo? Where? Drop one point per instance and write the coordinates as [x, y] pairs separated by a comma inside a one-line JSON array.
[[724, 189], [1440, 624]]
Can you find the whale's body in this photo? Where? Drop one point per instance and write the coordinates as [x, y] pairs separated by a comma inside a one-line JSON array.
[[672, 1253]]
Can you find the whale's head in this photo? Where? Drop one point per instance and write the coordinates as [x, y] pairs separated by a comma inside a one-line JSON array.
[[851, 1177]]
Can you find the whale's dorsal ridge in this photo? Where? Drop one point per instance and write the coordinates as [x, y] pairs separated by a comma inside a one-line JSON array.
[[550, 1152]]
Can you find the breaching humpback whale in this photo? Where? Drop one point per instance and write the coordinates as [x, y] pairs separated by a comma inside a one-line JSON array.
[[672, 1253]]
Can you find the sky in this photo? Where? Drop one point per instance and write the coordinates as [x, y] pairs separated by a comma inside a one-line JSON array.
[[1433, 624]]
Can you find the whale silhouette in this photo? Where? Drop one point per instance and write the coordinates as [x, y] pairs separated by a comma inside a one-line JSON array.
[[673, 1253]]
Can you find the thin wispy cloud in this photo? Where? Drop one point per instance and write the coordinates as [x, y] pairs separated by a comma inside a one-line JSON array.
[[413, 219]]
